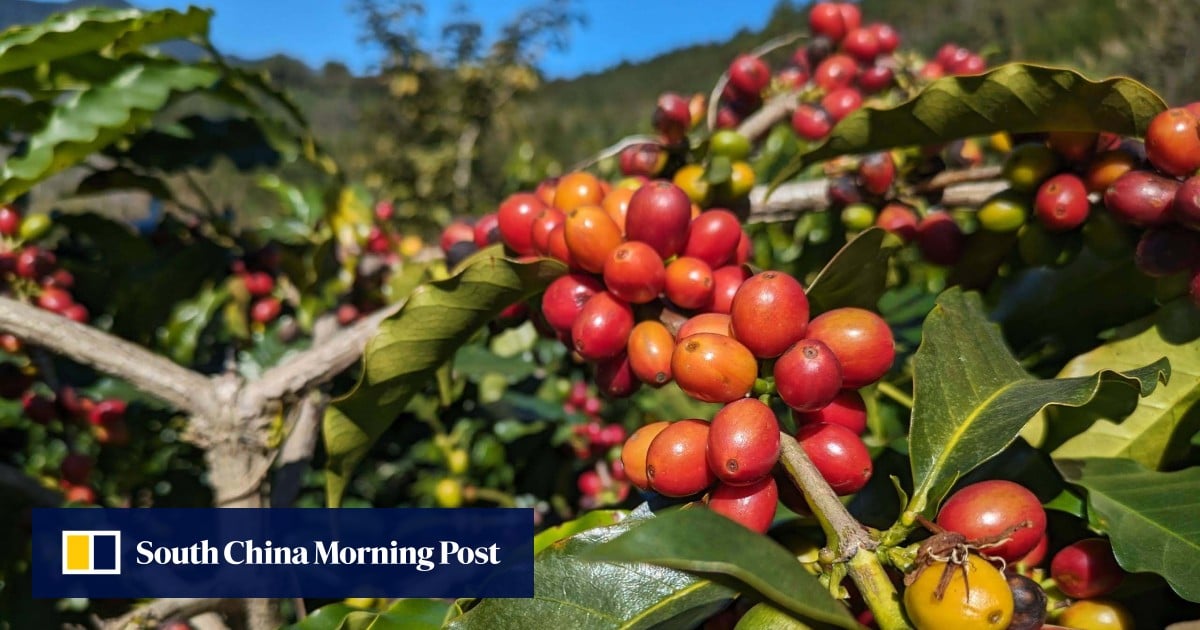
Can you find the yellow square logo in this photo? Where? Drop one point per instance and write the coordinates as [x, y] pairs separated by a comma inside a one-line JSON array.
[[91, 552]]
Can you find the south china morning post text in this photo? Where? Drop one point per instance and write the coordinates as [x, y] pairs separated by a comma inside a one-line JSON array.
[[330, 553]]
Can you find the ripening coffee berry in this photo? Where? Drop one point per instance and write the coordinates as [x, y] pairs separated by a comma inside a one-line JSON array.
[[997, 508], [265, 310], [659, 214], [713, 237], [1106, 167], [650, 347], [836, 71], [826, 18], [635, 272], [1096, 614], [861, 44], [769, 313], [839, 454], [940, 239], [808, 375], [1029, 603], [543, 224], [861, 341], [847, 409], [743, 442], [689, 283], [1004, 212], [898, 219], [1166, 251], [633, 453], [564, 299], [713, 368], [576, 190], [751, 506], [672, 116], [886, 35], [616, 204], [749, 74], [726, 282], [1029, 165], [515, 218], [1186, 206], [1061, 203], [1173, 142], [716, 323], [10, 221], [841, 102], [591, 236], [1086, 569], [975, 595], [487, 230], [876, 172], [1141, 198], [676, 462], [811, 122], [876, 79], [602, 328], [615, 378]]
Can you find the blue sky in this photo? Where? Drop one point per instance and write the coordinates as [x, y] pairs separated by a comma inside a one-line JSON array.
[[317, 31]]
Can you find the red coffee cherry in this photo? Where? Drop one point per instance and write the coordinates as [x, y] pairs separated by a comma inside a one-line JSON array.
[[10, 221], [689, 283], [633, 453], [838, 454], [591, 236], [726, 282], [487, 230], [545, 223], [940, 239], [861, 44], [615, 377], [635, 272], [825, 18], [751, 506], [1173, 142], [565, 297], [659, 214], [876, 79], [861, 341], [886, 35], [1186, 206], [716, 323], [602, 328], [672, 116], [515, 218], [1036, 555], [258, 283], [811, 122], [769, 313], [808, 376], [676, 463], [76, 468], [989, 509], [1141, 198], [266, 310], [713, 237], [840, 102], [650, 348], [836, 71], [1061, 203], [38, 408], [847, 409], [898, 219], [1167, 251], [876, 172], [713, 368], [1086, 569], [55, 300], [749, 74], [743, 442]]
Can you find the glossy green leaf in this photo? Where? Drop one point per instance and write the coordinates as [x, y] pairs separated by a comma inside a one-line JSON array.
[[573, 591], [971, 397], [855, 276], [591, 520], [697, 539], [1015, 97], [87, 30], [1152, 518], [181, 334], [1156, 432], [409, 347], [95, 118]]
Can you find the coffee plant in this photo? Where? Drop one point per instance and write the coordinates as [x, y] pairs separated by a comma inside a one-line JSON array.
[[858, 339]]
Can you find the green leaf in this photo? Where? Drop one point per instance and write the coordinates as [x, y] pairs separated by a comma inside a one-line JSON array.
[[700, 540], [409, 347], [591, 520], [87, 30], [1017, 98], [1156, 432], [1152, 518], [95, 118], [571, 591], [405, 614], [198, 141], [181, 334], [855, 276], [971, 397]]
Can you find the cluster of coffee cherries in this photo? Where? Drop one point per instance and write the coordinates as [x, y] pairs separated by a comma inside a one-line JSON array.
[[981, 568], [595, 443], [32, 272], [258, 274], [384, 240]]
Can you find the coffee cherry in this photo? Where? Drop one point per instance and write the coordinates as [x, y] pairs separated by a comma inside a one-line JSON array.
[[456, 232], [1141, 198], [940, 239], [989, 509], [851, 15], [487, 230], [847, 409], [713, 368], [591, 236], [672, 116], [55, 300], [861, 44], [931, 71], [107, 412], [690, 179], [1086, 569], [635, 273], [876, 79], [633, 453], [564, 299], [976, 597], [743, 442], [792, 77], [858, 217], [1028, 166], [615, 378], [602, 328], [749, 74], [1096, 614], [825, 18], [726, 282], [840, 102], [589, 483], [811, 122], [76, 468], [1003, 212], [1167, 251], [676, 462], [650, 347], [689, 283], [34, 262], [713, 237], [557, 244], [616, 204], [728, 117], [886, 35], [898, 219], [1173, 142], [76, 313], [659, 215], [266, 310], [751, 506], [769, 313], [646, 159], [838, 454], [744, 248], [861, 341], [1106, 167], [730, 144], [80, 494], [576, 190], [1029, 603], [808, 376], [258, 283], [1186, 206], [716, 323], [38, 408], [540, 228], [515, 218], [10, 221], [1061, 203], [837, 71], [1037, 555], [876, 172]]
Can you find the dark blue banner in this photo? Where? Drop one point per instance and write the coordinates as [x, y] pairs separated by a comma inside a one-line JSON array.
[[328, 553]]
